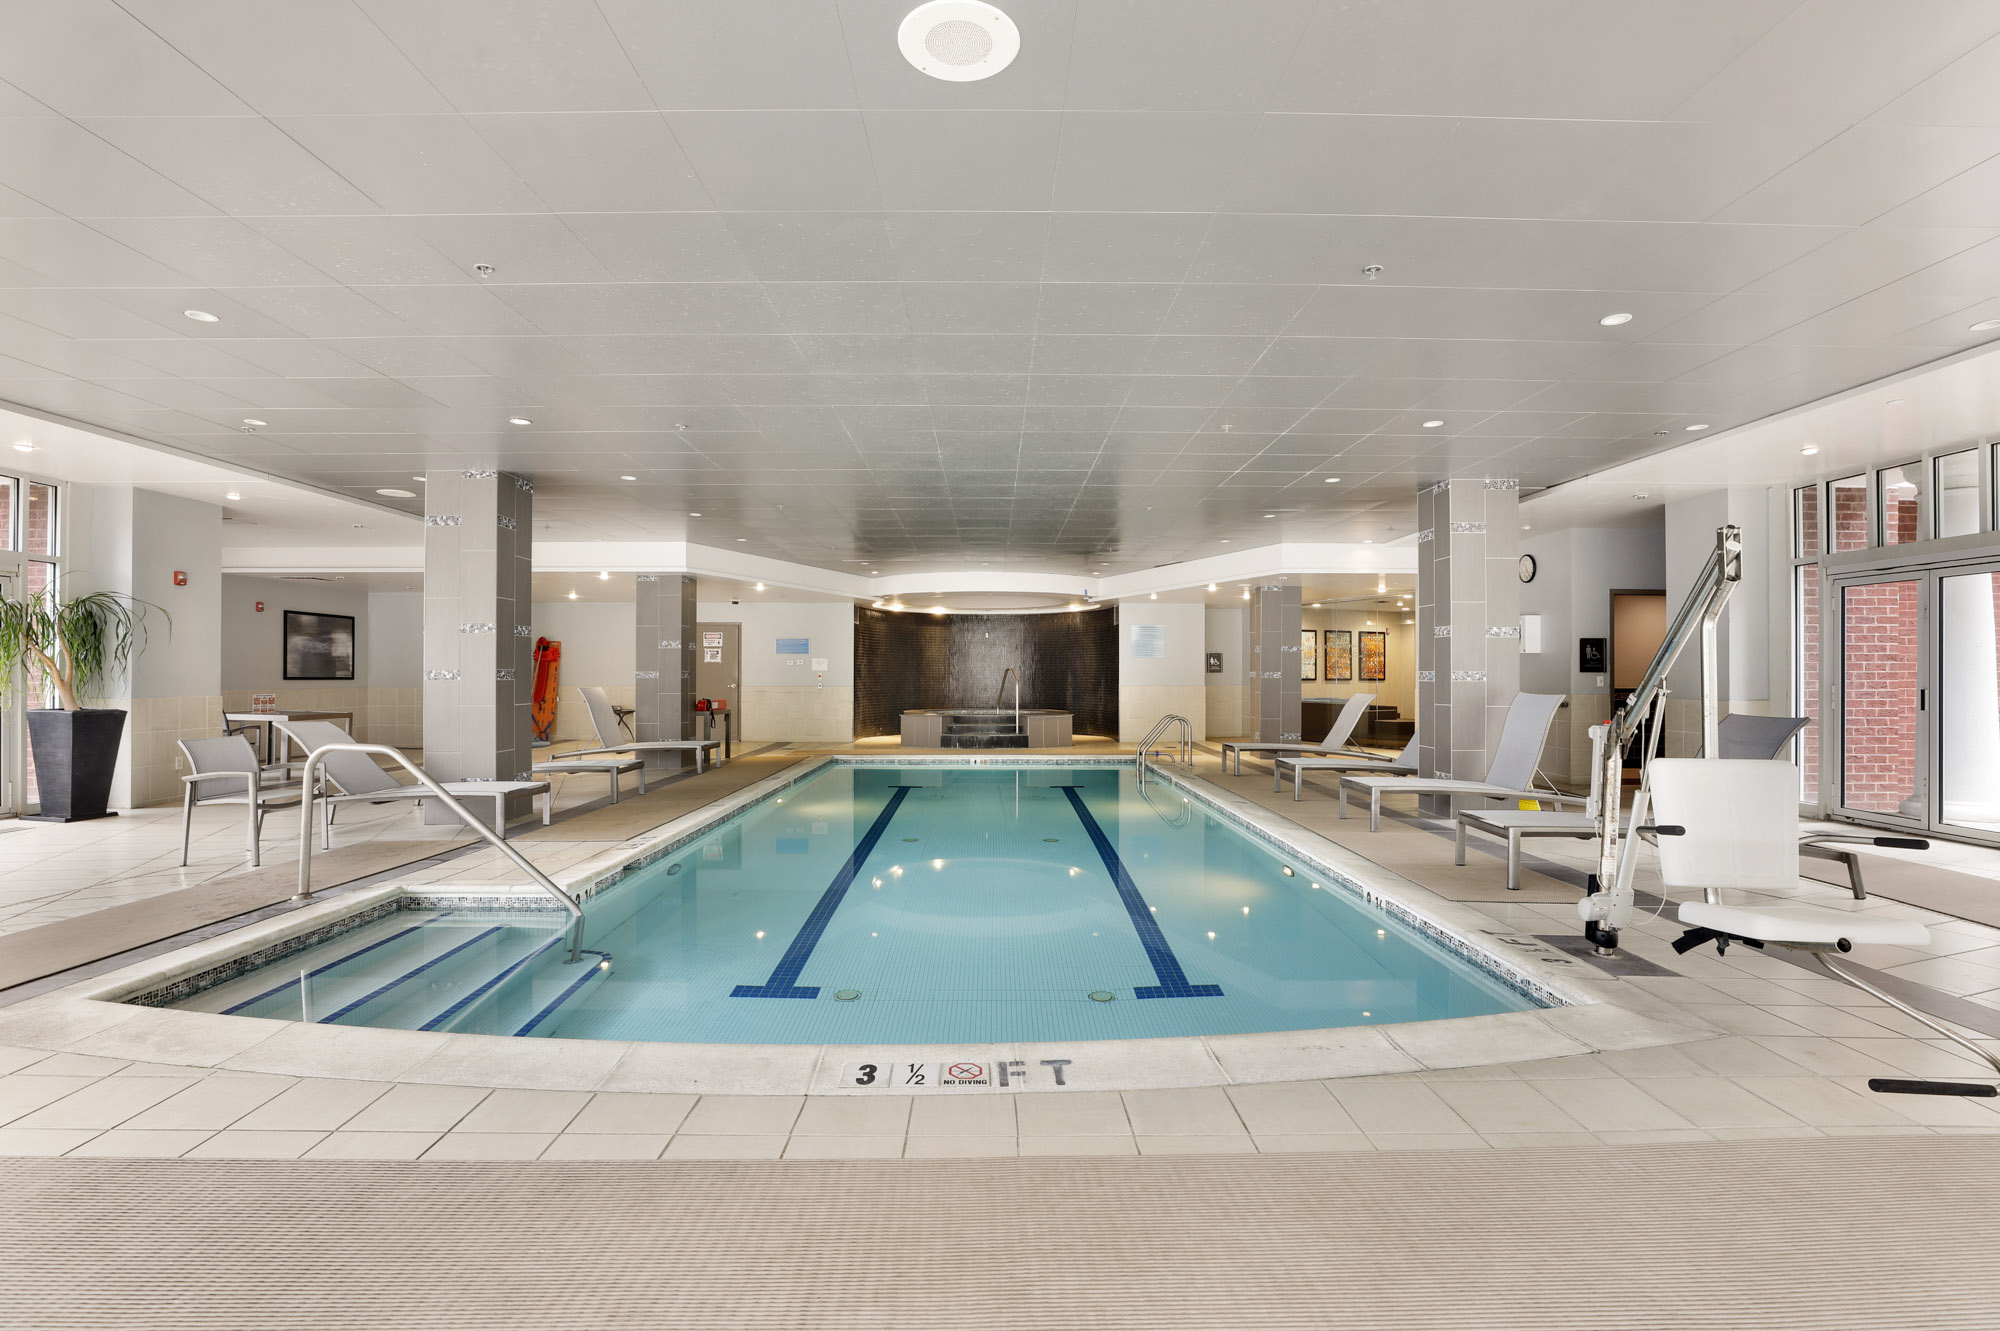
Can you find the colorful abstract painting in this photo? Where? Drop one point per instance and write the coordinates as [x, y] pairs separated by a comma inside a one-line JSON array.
[[1340, 654], [1374, 656]]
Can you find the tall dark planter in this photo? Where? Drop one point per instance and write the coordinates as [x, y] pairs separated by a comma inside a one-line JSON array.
[[75, 756]]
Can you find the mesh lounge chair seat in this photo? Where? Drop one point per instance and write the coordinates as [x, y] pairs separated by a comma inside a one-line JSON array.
[[1335, 742], [1508, 776], [1404, 763], [226, 771], [356, 778], [604, 721]]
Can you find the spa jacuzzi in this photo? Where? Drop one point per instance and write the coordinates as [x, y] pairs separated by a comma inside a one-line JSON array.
[[986, 728]]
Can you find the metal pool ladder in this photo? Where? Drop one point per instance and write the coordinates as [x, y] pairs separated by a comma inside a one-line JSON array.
[[471, 820], [1183, 750]]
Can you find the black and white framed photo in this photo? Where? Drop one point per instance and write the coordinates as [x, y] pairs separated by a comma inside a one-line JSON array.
[[318, 646]]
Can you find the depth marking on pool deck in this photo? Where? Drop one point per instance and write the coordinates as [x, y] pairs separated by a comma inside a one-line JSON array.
[[784, 979], [1173, 981]]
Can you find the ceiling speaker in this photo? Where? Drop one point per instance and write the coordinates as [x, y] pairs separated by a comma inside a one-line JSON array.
[[958, 41]]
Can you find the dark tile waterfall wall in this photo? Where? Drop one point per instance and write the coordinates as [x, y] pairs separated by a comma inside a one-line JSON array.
[[906, 661]]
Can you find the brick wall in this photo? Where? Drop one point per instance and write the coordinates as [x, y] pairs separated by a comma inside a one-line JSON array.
[[1879, 752]]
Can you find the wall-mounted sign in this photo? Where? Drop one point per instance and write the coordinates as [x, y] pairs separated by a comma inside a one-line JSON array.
[[711, 655], [711, 638], [795, 647], [1215, 663], [1149, 642], [1590, 656]]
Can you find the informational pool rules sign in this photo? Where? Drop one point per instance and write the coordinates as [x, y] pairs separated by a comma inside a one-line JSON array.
[[956, 1073]]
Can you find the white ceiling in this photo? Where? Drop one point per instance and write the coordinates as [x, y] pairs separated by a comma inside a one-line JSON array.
[[1107, 307]]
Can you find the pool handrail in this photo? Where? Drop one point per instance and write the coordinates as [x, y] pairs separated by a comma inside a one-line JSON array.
[[1186, 742], [470, 819]]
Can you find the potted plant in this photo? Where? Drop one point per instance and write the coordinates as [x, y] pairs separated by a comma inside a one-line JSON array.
[[77, 646]]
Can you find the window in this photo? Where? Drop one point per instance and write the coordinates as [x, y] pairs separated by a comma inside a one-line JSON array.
[[1847, 502], [1805, 681], [41, 528], [10, 490], [1957, 493], [1805, 522], [1900, 489]]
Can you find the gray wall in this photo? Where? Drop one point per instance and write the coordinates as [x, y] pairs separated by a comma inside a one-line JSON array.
[[256, 656]]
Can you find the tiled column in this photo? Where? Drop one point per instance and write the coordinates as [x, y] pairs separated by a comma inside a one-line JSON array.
[[478, 644], [1275, 613], [1468, 624], [663, 689]]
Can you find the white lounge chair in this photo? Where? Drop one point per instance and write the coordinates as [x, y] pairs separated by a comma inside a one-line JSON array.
[[1508, 777], [604, 721], [226, 771], [1404, 763], [1732, 824], [351, 778], [1335, 742]]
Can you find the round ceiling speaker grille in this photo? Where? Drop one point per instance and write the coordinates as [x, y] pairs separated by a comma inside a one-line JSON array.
[[958, 40]]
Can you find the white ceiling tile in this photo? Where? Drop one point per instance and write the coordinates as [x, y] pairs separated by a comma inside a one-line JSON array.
[[218, 251], [1182, 55], [1235, 308], [513, 55], [362, 251], [814, 247], [839, 307], [562, 157], [662, 247], [982, 160], [1104, 307], [746, 54], [1863, 174], [971, 307], [790, 160], [1685, 172], [92, 58], [240, 164], [415, 164], [60, 165], [1717, 257], [1969, 199], [1118, 161], [562, 309], [520, 248], [1869, 257], [70, 253]]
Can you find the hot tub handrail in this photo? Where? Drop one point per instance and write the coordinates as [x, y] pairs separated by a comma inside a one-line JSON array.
[[310, 788], [1186, 742]]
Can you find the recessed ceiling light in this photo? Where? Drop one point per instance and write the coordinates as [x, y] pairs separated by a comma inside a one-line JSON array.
[[958, 41], [1613, 320], [24, 447], [604, 577], [1692, 428], [1986, 325], [1211, 586], [694, 515], [418, 479], [1809, 450], [1432, 425], [1331, 480], [1368, 540], [572, 596], [628, 478], [1526, 527], [201, 316], [758, 588], [1152, 596], [1225, 540], [1315, 605], [252, 420], [232, 496], [397, 494], [1270, 515], [519, 420], [742, 540]]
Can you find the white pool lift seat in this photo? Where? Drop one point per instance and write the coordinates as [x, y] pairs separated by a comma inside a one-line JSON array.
[[604, 721], [1510, 776], [1404, 763], [1732, 825], [1335, 742]]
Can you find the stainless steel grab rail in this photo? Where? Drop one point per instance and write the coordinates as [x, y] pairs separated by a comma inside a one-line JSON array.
[[309, 789], [1186, 743]]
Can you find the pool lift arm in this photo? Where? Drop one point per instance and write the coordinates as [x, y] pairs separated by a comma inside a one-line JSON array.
[[1608, 905]]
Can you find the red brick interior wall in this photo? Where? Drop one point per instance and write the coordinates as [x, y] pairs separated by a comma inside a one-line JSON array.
[[1879, 655]]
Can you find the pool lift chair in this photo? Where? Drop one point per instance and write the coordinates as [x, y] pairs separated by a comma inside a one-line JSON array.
[[1335, 743], [1730, 824]]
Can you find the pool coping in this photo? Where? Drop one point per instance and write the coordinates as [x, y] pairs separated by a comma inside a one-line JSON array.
[[1598, 1012]]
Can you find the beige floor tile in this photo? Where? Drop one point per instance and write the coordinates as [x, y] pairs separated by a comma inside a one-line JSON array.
[[956, 1148], [1507, 1107], [1576, 1065], [743, 1116], [1660, 1061], [13, 1059], [315, 1104], [418, 1108], [1744, 1019], [1397, 1107], [972, 1115], [1817, 1053], [1198, 1111], [721, 1146], [1716, 1102], [1935, 1111], [852, 1147], [80, 1065], [1876, 1130], [211, 1103], [1290, 1143], [1821, 1102], [144, 1143], [606, 1146], [633, 1111], [372, 1146], [1072, 1114], [1427, 1141], [1074, 1144], [105, 1103], [20, 1095], [1290, 1109], [1736, 1056], [524, 1112], [1193, 1144], [1758, 1134], [42, 1141], [243, 1144], [1893, 1054], [1610, 1105], [489, 1146], [1540, 1139], [1654, 1138], [854, 1116]]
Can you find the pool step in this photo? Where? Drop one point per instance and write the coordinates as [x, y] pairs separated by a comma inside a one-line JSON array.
[[982, 732]]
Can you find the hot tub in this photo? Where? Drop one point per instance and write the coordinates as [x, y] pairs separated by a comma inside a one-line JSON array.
[[987, 728]]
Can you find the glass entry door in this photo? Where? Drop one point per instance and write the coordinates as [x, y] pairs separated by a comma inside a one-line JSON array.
[[1968, 688], [1881, 699]]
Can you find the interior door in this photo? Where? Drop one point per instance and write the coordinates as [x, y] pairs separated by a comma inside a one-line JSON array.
[[718, 668], [1881, 698]]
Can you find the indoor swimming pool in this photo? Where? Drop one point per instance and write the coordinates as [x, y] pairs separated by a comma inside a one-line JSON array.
[[905, 903]]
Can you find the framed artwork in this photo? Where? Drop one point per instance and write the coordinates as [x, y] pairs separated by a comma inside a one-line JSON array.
[[1374, 655], [318, 646], [1308, 653], [1340, 654]]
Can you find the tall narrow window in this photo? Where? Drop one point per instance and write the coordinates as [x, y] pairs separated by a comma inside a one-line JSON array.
[[1848, 501], [1805, 684], [1901, 490], [1957, 493], [1805, 522]]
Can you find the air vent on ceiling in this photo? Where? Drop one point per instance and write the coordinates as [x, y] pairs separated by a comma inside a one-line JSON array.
[[958, 41], [308, 577]]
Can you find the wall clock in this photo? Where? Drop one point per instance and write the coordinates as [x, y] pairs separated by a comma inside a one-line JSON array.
[[1527, 568]]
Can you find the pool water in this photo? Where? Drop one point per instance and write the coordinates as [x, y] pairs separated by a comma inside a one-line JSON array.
[[909, 904]]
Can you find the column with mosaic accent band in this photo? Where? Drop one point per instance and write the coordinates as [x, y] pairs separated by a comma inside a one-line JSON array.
[[1275, 615], [1468, 624], [478, 638], [664, 656]]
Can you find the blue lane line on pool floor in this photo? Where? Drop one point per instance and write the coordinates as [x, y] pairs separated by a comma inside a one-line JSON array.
[[1173, 981], [407, 976], [784, 980], [317, 971]]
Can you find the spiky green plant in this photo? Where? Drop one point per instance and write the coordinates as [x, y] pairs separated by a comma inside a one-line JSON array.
[[79, 644]]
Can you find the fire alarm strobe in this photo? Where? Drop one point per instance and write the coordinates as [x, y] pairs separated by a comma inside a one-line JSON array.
[[180, 578]]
